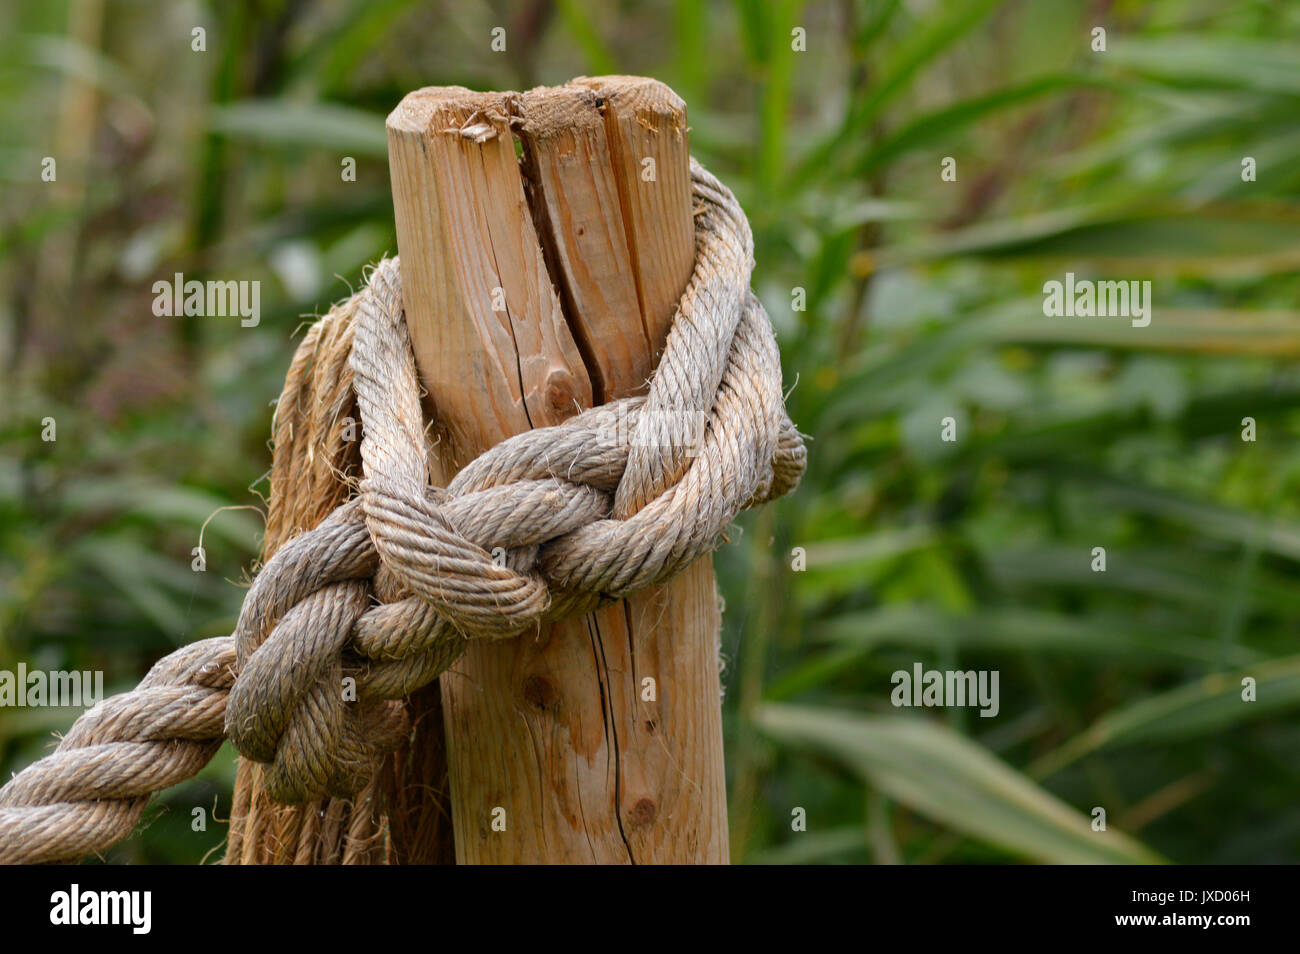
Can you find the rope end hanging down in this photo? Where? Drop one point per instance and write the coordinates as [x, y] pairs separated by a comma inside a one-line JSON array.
[[616, 499]]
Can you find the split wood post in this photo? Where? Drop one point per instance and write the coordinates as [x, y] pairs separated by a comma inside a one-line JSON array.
[[600, 737]]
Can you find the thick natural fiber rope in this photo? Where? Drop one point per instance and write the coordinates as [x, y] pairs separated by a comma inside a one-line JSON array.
[[586, 512], [315, 467]]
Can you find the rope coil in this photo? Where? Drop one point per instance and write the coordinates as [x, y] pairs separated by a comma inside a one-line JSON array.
[[385, 591]]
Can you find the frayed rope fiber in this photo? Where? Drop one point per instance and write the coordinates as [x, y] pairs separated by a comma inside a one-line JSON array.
[[389, 586]]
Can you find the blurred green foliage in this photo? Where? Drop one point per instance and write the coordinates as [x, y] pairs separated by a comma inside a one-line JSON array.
[[923, 301]]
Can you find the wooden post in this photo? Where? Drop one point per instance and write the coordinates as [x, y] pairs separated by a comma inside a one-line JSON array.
[[599, 737]]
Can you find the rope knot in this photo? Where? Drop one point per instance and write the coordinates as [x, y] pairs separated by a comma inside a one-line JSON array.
[[350, 617]]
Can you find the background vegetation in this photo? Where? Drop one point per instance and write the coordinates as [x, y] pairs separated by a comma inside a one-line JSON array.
[[1118, 689]]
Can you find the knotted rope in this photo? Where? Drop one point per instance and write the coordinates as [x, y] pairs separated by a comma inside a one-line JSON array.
[[350, 617]]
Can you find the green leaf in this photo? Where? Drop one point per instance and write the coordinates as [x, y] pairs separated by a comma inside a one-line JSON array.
[[81, 62], [1162, 239], [848, 551], [955, 782], [1264, 65], [815, 847], [143, 577], [940, 124], [954, 20], [167, 504], [755, 28], [581, 23], [336, 53], [1209, 705], [1219, 331], [1269, 533], [1180, 576], [279, 122], [1099, 637]]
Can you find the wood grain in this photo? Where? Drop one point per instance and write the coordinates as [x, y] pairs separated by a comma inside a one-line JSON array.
[[553, 726], [493, 349]]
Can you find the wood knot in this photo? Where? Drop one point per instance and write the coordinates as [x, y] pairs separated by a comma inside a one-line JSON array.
[[561, 396], [540, 693], [644, 811]]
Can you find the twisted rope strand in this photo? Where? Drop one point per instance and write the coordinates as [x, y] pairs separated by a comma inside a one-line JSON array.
[[90, 793], [381, 596]]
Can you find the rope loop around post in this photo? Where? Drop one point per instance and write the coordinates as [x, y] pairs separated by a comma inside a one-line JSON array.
[[350, 617]]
